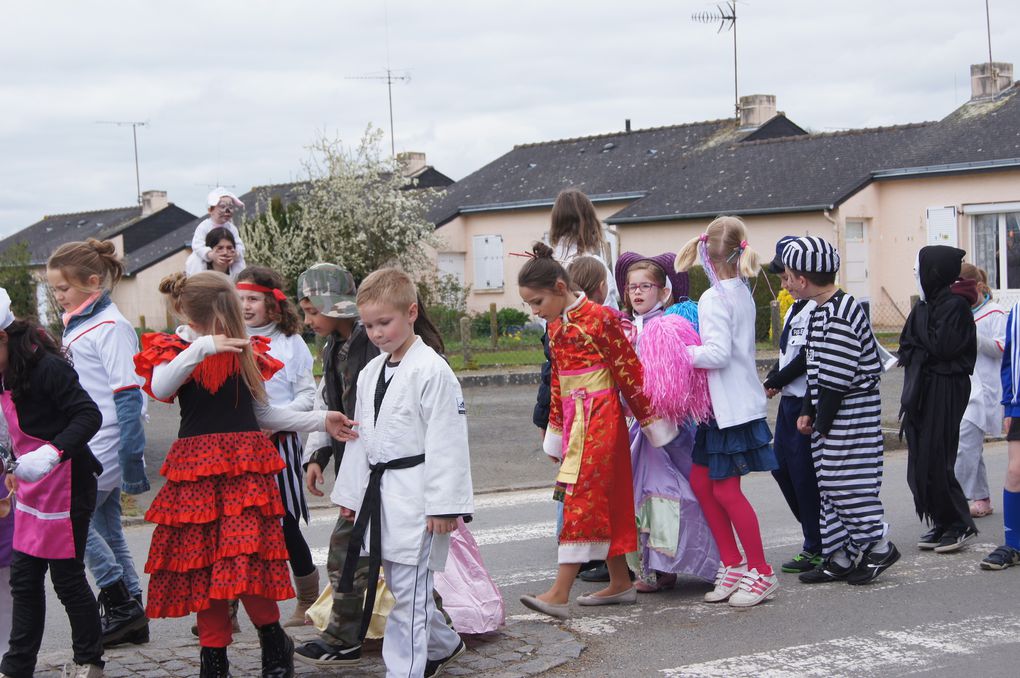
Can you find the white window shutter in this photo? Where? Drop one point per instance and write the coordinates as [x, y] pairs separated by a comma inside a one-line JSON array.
[[941, 226], [488, 261]]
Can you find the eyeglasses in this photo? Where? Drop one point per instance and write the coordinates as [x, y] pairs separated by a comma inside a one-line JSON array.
[[644, 287]]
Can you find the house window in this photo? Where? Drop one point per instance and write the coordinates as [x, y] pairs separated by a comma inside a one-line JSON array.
[[488, 262], [996, 246]]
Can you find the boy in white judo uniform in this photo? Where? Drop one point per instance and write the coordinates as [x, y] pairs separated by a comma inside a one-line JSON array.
[[407, 477]]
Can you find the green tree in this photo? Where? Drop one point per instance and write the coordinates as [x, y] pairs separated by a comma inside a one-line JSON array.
[[17, 278]]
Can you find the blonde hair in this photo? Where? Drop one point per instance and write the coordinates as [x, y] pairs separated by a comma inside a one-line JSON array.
[[388, 286], [587, 273], [209, 300], [78, 261], [969, 271], [574, 222], [726, 246]]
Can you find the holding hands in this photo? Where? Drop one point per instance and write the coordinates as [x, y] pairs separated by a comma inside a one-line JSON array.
[[340, 427], [805, 425]]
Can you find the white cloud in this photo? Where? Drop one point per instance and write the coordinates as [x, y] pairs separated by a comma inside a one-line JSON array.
[[234, 89]]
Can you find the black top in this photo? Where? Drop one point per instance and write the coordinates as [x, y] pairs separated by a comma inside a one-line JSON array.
[[229, 410], [56, 408]]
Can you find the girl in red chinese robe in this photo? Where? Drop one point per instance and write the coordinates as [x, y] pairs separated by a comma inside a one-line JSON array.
[[592, 364]]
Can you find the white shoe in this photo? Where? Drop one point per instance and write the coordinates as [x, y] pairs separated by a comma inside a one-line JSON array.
[[726, 580], [754, 588], [82, 671]]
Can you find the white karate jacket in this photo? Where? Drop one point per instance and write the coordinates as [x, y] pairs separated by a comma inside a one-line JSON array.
[[423, 413]]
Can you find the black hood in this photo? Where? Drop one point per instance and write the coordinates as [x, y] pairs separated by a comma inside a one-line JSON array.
[[938, 267]]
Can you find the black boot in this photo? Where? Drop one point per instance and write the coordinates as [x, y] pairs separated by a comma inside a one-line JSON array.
[[214, 663], [277, 651], [119, 613], [139, 637]]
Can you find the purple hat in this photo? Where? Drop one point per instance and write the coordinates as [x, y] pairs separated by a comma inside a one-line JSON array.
[[679, 281]]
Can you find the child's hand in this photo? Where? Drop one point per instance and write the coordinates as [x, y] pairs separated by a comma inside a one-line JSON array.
[[437, 525], [805, 425], [771, 392], [313, 477], [37, 464], [1006, 424], [346, 514], [11, 483], [340, 427], [224, 344]]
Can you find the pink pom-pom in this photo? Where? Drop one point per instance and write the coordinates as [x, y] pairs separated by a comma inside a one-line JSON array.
[[677, 390]]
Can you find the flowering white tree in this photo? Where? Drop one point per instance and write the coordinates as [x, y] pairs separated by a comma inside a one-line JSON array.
[[357, 210]]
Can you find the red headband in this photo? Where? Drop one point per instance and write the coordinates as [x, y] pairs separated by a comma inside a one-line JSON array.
[[252, 287]]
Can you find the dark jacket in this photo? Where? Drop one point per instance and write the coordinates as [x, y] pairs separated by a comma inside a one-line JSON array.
[[540, 416], [342, 362]]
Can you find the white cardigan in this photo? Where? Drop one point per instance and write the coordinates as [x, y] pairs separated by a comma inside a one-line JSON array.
[[726, 322]]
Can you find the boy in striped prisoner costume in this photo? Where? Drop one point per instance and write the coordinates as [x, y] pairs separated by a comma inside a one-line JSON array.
[[842, 414]]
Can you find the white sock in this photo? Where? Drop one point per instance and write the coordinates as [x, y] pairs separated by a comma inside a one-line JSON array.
[[881, 546], [841, 558]]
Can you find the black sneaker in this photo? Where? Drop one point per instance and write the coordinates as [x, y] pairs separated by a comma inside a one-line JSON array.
[[828, 571], [931, 539], [954, 539], [1001, 558], [873, 564], [802, 562], [600, 574], [434, 667], [320, 653]]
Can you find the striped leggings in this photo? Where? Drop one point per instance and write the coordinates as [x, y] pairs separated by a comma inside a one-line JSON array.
[[848, 463]]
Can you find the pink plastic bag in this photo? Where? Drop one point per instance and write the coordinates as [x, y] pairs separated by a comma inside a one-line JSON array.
[[470, 596]]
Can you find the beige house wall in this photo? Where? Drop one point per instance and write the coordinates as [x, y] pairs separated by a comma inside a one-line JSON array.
[[139, 296]]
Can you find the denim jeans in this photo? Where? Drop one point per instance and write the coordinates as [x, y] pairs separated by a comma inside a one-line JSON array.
[[106, 552]]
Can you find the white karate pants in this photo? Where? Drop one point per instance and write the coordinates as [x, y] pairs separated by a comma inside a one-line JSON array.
[[415, 631], [6, 609], [970, 462]]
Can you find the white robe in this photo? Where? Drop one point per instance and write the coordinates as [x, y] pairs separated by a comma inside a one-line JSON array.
[[423, 412]]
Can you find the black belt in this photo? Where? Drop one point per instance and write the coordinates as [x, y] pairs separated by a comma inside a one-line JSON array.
[[371, 510]]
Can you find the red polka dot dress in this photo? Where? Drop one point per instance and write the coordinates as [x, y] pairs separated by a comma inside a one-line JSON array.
[[218, 533]]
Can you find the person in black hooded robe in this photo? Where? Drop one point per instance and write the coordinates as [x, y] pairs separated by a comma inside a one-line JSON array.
[[938, 348]]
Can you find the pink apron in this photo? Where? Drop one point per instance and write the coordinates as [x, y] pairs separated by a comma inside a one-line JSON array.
[[42, 514]]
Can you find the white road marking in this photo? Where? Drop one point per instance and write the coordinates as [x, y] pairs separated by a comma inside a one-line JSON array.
[[490, 500], [525, 577], [914, 649], [514, 533]]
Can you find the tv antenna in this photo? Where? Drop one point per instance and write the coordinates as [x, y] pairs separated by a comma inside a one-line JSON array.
[[390, 78], [134, 134], [726, 15]]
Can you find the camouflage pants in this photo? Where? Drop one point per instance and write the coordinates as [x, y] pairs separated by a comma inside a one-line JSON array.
[[345, 619]]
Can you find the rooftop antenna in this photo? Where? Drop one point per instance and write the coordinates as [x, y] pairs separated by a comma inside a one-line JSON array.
[[134, 134], [726, 15], [389, 77]]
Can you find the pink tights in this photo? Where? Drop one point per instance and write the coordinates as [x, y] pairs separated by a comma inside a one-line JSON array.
[[726, 509]]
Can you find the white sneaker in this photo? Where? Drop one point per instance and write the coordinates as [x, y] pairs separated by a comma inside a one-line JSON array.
[[754, 588], [82, 671], [726, 580]]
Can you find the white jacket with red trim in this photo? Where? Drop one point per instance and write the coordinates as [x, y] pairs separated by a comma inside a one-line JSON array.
[[984, 409]]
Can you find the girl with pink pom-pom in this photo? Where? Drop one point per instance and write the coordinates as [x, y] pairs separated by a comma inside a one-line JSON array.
[[737, 441], [673, 535]]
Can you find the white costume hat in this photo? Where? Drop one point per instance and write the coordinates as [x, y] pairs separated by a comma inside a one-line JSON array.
[[218, 193]]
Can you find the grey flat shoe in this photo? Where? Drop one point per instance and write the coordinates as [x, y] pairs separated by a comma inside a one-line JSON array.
[[627, 597], [559, 611]]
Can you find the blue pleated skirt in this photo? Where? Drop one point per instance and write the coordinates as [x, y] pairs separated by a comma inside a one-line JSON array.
[[734, 451]]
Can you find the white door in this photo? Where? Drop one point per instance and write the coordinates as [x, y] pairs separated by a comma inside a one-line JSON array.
[[855, 260]]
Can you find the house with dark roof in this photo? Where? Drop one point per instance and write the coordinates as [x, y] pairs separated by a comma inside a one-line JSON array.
[[879, 193], [150, 237]]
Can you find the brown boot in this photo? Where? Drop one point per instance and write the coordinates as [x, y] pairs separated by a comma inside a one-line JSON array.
[[307, 588]]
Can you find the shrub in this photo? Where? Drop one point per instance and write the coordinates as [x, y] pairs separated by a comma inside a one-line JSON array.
[[507, 319]]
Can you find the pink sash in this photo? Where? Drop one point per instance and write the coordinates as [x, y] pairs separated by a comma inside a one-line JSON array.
[[42, 514]]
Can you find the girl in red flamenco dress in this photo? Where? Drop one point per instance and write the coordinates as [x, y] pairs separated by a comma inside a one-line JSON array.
[[593, 363], [218, 533]]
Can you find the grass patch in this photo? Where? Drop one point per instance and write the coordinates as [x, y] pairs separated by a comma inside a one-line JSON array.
[[129, 505], [514, 358]]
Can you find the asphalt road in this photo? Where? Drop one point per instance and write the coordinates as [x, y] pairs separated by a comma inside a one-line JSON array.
[[933, 615]]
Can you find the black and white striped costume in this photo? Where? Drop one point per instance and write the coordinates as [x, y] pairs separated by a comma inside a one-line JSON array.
[[842, 359], [843, 371]]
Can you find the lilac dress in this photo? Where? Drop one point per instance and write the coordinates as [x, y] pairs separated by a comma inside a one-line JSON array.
[[673, 535]]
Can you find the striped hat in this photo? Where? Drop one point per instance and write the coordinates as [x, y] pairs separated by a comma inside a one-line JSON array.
[[811, 255]]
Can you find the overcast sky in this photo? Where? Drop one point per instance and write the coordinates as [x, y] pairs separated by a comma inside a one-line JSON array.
[[234, 91]]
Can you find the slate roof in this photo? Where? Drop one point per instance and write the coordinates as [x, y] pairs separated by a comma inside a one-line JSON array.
[[703, 169], [160, 248]]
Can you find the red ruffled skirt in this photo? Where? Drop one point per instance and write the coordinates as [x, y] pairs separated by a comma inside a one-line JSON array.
[[218, 533]]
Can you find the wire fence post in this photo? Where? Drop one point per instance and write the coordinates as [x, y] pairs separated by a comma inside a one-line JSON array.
[[493, 326], [465, 341]]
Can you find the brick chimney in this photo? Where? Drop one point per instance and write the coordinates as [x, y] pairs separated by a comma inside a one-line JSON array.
[[989, 79], [412, 161], [153, 201], [756, 110]]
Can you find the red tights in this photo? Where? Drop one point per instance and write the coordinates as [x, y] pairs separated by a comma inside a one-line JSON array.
[[726, 509], [214, 621]]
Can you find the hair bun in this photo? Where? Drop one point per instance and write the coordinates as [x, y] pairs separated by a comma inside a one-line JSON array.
[[542, 251], [103, 247], [173, 284]]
